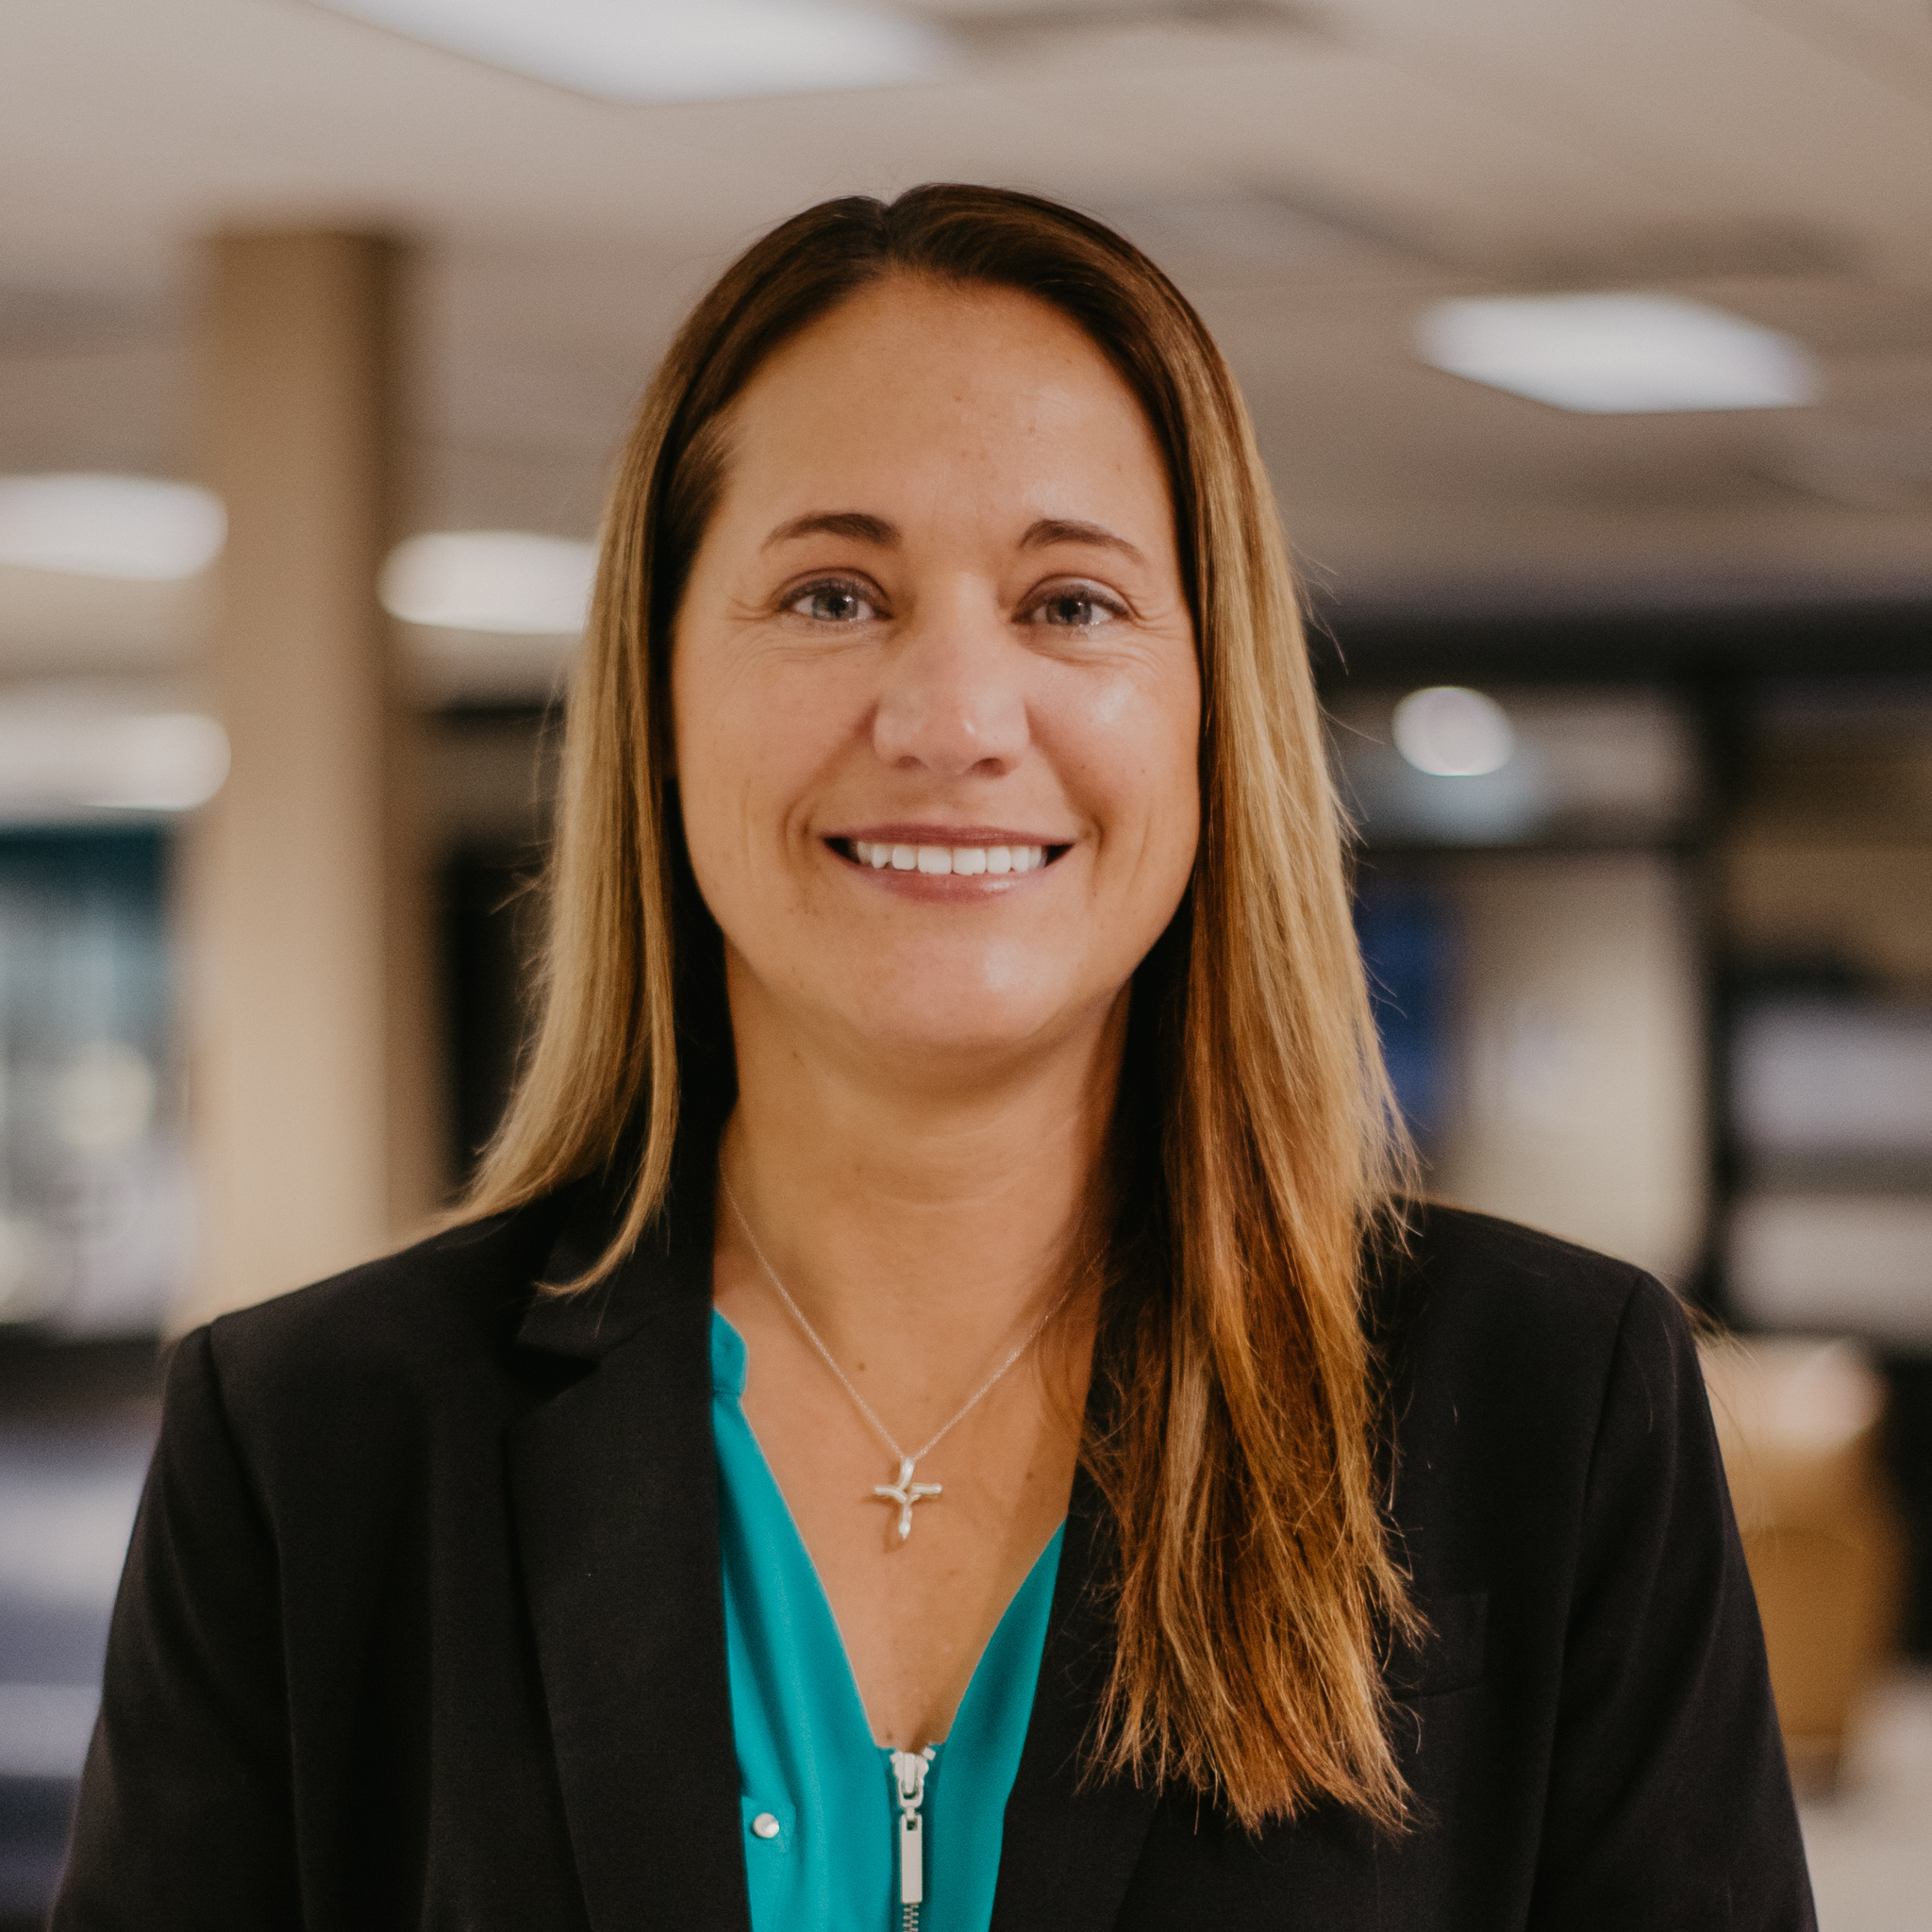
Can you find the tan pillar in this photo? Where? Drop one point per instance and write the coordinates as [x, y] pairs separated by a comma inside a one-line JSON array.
[[312, 1066]]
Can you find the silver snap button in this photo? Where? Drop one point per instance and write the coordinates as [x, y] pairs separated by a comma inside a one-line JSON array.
[[765, 1825]]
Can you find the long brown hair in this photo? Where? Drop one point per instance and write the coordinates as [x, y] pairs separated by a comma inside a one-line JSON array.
[[1255, 1147]]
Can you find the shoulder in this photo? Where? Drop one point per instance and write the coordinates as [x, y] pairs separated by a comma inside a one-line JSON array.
[[1517, 1364], [428, 1322], [1466, 1285]]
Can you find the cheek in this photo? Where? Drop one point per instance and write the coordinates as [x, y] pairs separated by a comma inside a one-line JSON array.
[[753, 738], [720, 761], [1135, 744]]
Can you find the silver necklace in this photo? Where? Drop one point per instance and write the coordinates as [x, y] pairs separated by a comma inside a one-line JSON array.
[[905, 1493]]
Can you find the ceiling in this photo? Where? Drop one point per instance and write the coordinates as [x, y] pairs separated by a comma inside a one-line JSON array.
[[1312, 175]]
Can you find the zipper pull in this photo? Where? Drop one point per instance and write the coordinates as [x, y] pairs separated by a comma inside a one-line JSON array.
[[908, 1778]]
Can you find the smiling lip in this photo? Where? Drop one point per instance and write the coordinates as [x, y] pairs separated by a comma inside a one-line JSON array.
[[909, 832], [990, 854]]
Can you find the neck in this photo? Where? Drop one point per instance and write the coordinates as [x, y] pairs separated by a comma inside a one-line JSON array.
[[916, 1218]]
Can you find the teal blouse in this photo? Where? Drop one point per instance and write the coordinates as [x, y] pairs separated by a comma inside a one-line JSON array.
[[820, 1817]]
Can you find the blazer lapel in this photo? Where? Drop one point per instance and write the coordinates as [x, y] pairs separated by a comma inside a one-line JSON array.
[[1070, 1847], [614, 1487]]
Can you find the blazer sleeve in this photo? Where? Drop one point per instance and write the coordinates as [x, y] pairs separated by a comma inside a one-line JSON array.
[[1669, 1805], [185, 1814]]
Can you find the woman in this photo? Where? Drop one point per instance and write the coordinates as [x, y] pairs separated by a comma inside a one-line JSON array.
[[937, 1415]]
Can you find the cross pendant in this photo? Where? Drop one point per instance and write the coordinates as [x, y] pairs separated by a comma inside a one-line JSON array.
[[906, 1493]]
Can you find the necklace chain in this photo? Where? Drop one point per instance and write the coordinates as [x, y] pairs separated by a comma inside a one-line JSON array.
[[865, 1408]]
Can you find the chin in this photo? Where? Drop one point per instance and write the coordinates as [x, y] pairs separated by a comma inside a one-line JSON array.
[[959, 1018], [958, 1037]]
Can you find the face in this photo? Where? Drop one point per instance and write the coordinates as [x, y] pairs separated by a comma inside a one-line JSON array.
[[934, 681]]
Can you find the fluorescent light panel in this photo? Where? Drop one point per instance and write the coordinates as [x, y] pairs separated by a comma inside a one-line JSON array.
[[1618, 354], [136, 527], [509, 581], [672, 50], [63, 756]]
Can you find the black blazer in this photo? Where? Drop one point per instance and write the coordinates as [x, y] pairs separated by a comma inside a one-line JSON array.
[[421, 1627]]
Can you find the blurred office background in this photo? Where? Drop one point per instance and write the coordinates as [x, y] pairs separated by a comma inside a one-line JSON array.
[[1590, 346]]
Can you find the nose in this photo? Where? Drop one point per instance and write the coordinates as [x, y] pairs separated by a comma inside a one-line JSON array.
[[952, 701]]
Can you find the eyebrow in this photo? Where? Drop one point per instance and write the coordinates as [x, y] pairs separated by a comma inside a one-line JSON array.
[[862, 526], [1050, 530], [859, 525]]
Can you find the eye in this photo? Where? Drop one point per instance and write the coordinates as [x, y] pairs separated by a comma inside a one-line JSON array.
[[1075, 607], [834, 601]]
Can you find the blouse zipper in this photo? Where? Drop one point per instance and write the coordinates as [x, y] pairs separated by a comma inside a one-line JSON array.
[[909, 1779]]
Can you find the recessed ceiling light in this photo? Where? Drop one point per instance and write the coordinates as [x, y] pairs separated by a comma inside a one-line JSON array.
[[136, 527], [499, 580], [1452, 732], [672, 50], [1618, 354]]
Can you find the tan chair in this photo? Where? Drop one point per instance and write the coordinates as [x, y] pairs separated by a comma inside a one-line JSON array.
[[1798, 1423]]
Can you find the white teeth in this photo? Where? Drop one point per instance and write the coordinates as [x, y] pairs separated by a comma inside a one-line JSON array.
[[968, 860]]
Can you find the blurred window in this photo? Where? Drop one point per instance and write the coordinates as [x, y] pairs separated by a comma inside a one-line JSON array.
[[93, 1209]]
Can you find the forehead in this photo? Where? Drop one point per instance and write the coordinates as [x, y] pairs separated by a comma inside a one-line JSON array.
[[916, 384]]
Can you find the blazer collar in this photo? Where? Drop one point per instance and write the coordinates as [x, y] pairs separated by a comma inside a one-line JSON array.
[[673, 1259], [1071, 1843], [614, 1489], [615, 1492]]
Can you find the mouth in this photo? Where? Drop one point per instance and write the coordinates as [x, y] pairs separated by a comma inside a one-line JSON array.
[[968, 857]]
